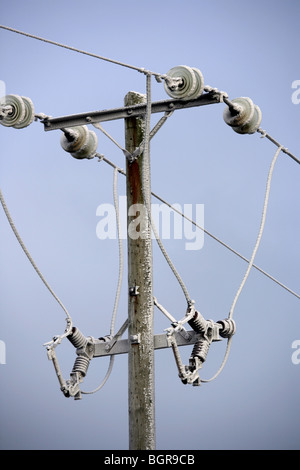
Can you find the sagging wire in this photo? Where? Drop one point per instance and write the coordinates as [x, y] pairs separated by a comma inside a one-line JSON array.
[[260, 233], [69, 328], [57, 339], [120, 278], [228, 247], [256, 246]]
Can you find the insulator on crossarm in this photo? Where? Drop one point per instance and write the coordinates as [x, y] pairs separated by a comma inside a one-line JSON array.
[[241, 114], [183, 82], [245, 117], [199, 84], [17, 111], [79, 141], [29, 114], [252, 126]]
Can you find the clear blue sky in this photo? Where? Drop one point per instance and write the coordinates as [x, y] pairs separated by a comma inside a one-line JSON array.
[[247, 49]]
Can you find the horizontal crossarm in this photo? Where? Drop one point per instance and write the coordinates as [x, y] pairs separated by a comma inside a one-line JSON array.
[[51, 124]]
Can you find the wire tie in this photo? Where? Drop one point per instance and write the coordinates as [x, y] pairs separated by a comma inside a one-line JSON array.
[[222, 95], [263, 134], [158, 78], [41, 117], [145, 72], [100, 157]]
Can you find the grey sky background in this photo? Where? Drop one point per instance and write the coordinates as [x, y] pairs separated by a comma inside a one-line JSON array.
[[245, 49]]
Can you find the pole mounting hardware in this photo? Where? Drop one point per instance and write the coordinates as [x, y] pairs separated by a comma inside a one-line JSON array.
[[134, 291], [135, 339]]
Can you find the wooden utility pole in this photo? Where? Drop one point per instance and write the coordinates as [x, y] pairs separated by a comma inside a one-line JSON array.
[[141, 341], [140, 298]]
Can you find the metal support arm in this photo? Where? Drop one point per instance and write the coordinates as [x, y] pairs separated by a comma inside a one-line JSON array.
[[138, 110], [203, 334]]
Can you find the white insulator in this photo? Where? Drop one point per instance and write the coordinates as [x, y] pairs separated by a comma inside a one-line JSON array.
[[79, 142], [241, 115], [252, 126], [17, 114], [199, 84], [74, 138], [29, 114], [181, 82]]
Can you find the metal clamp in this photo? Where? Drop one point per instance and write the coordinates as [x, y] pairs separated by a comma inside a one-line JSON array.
[[135, 339], [134, 291]]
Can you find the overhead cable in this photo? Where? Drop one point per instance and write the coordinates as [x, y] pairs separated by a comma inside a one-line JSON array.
[[120, 277], [22, 244], [158, 76], [283, 149], [80, 51], [258, 240], [217, 239], [226, 245], [261, 229]]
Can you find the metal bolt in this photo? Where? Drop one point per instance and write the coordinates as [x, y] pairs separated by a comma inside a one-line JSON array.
[[133, 291], [135, 339]]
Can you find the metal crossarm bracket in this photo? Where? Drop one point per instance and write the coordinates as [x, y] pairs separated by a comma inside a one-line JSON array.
[[160, 342], [51, 124], [88, 347]]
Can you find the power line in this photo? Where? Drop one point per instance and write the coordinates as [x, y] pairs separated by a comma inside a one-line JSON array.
[[159, 77], [283, 149], [261, 229], [22, 244], [120, 277], [250, 265], [152, 133], [218, 240], [80, 51], [228, 247]]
